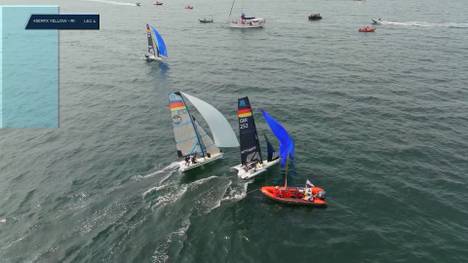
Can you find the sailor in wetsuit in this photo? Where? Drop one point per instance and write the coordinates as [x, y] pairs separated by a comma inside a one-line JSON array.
[[308, 196]]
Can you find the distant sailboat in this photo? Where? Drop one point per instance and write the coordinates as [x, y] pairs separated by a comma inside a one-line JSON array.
[[310, 195], [192, 142], [156, 49], [245, 21], [252, 163]]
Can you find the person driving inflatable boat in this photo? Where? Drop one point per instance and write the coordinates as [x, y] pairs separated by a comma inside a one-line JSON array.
[[311, 192]]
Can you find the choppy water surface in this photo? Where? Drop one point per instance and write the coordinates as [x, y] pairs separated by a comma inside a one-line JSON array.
[[380, 120]]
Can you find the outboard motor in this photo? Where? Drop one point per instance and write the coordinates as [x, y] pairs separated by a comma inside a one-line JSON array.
[[321, 194], [318, 192]]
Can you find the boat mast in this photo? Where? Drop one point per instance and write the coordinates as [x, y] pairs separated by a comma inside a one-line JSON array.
[[149, 36], [232, 6], [193, 125], [286, 174]]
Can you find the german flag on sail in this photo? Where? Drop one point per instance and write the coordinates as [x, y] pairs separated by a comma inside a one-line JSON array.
[[176, 105], [244, 112]]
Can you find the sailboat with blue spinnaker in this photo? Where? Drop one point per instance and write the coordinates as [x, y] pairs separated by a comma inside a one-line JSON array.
[[252, 163], [156, 46]]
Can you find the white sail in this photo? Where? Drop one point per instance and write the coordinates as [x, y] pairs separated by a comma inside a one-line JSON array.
[[208, 143], [223, 134]]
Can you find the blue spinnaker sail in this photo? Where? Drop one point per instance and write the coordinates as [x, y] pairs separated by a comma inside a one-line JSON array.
[[286, 143], [271, 153], [160, 42]]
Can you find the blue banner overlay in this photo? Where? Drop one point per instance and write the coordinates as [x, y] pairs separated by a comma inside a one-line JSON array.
[[67, 22], [29, 78]]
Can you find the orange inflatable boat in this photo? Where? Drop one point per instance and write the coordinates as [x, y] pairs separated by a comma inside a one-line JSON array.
[[296, 195], [367, 29]]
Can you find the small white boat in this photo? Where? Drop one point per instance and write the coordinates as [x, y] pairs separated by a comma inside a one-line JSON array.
[[248, 23], [377, 21], [206, 20], [194, 146], [156, 49], [244, 21], [252, 163]]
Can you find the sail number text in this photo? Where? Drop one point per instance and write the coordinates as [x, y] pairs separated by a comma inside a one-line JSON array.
[[243, 123]]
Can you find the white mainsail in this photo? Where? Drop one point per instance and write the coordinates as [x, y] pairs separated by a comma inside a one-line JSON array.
[[188, 142], [223, 134], [208, 143]]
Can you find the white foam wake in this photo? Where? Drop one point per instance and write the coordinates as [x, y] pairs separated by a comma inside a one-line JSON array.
[[161, 254], [170, 193], [216, 200], [202, 181], [425, 24], [112, 2], [171, 168], [237, 193], [171, 197], [229, 193], [153, 189]]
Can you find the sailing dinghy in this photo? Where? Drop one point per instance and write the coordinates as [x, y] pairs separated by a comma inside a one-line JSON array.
[[252, 163], [310, 195], [156, 49], [193, 144]]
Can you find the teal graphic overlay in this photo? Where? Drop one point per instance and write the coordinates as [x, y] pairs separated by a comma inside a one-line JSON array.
[[29, 70]]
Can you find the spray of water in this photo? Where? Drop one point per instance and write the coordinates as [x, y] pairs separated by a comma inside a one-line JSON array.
[[425, 24], [112, 2]]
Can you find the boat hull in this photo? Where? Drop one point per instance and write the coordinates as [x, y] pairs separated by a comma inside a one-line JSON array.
[[150, 58], [291, 196], [204, 21], [248, 23], [200, 162], [251, 173], [315, 17], [366, 30]]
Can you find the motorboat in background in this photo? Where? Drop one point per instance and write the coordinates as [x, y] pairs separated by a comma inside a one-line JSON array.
[[315, 17], [367, 29], [206, 20], [377, 21]]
